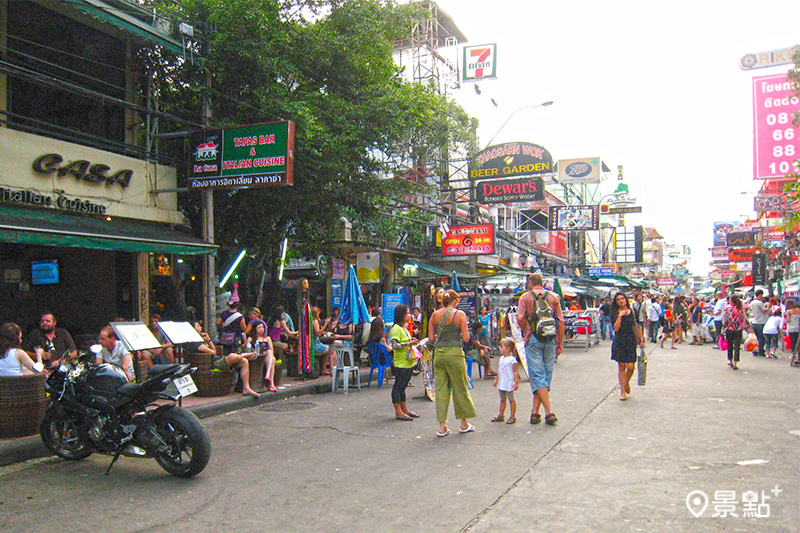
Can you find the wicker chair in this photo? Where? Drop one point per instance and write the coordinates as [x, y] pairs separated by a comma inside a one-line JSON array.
[[209, 382], [23, 402]]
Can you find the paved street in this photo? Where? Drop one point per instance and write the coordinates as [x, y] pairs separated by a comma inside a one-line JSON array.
[[345, 464]]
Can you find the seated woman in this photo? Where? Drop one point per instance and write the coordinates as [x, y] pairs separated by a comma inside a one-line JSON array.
[[240, 361], [320, 349], [376, 334], [279, 331], [13, 360], [261, 344]]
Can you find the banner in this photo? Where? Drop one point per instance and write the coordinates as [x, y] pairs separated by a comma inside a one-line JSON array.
[[721, 230], [573, 217], [742, 238], [480, 62], [775, 139], [368, 267], [759, 269], [585, 170], [741, 255], [469, 240], [503, 191]]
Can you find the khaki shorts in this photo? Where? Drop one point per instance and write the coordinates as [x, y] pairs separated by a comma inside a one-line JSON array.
[[221, 364]]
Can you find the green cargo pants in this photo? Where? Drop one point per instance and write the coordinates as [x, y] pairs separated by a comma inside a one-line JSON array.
[[450, 373]]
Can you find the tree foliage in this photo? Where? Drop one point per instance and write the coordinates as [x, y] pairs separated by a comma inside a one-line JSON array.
[[328, 67]]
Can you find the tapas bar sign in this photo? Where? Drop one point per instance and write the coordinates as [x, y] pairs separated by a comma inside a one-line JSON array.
[[469, 240], [261, 155]]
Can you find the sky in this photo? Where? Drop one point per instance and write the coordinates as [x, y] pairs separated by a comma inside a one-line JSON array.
[[655, 87]]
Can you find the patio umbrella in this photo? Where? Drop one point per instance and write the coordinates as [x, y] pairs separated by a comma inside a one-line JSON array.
[[454, 283], [557, 290], [354, 308]]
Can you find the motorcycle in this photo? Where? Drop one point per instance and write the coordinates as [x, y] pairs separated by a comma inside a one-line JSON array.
[[93, 408]]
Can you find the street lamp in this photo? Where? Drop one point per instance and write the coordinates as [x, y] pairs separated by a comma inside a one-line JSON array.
[[544, 104]]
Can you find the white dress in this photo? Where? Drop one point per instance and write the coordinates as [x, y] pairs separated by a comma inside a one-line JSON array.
[[505, 373]]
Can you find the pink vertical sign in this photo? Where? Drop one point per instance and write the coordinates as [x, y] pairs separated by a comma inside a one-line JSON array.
[[775, 139]]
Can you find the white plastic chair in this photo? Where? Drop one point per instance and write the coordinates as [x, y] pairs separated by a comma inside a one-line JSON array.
[[345, 364]]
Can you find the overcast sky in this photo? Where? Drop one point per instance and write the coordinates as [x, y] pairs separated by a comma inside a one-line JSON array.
[[655, 87]]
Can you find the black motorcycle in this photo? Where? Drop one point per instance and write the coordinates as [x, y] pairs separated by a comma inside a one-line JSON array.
[[93, 408]]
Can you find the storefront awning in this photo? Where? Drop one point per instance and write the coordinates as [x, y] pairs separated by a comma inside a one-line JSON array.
[[105, 12], [53, 228]]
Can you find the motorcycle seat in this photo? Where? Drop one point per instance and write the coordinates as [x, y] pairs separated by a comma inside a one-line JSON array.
[[129, 389], [159, 369]]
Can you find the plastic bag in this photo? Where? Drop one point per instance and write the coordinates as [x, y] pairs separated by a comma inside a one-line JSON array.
[[722, 342], [751, 344]]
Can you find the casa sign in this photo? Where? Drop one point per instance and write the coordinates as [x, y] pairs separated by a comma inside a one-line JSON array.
[[81, 169]]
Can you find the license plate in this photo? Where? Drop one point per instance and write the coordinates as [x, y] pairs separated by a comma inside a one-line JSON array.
[[185, 385]]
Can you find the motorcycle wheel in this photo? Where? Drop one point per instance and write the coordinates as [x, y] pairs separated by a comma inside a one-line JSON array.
[[62, 437], [188, 442]]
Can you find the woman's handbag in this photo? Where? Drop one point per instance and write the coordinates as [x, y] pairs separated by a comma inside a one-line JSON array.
[[722, 342]]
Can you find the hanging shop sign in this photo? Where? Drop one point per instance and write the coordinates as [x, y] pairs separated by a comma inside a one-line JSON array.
[[81, 169], [584, 170], [621, 210], [775, 138], [260, 155], [469, 240], [759, 269], [742, 238], [719, 252], [480, 62], [510, 191], [772, 202], [368, 267], [741, 255], [510, 159], [772, 58], [573, 217]]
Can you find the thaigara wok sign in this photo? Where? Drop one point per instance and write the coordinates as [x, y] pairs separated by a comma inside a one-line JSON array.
[[510, 159], [510, 191], [260, 155], [469, 240]]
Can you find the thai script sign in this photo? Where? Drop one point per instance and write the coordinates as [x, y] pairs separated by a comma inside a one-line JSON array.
[[741, 255], [260, 155], [775, 139], [510, 191], [771, 202], [480, 62], [510, 159], [585, 170], [573, 217], [469, 240]]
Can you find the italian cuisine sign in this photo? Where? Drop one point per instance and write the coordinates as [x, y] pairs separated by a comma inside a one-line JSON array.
[[469, 240], [260, 155]]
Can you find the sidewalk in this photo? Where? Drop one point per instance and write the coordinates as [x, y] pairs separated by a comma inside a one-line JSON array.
[[31, 447]]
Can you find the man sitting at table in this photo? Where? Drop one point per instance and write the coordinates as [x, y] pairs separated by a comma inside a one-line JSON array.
[[158, 356], [114, 352], [240, 361], [53, 340]]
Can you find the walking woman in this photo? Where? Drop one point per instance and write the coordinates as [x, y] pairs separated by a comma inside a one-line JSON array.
[[404, 361], [792, 319], [447, 329], [627, 335], [733, 323]]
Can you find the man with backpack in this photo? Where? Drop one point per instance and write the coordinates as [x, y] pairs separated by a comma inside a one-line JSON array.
[[542, 322]]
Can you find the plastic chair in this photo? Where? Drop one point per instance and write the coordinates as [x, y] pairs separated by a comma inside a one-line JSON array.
[[469, 361], [377, 351], [345, 364]]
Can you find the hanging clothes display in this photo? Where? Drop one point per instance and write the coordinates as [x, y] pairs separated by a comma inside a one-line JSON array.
[[304, 349]]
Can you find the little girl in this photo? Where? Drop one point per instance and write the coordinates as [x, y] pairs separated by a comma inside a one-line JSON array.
[[507, 378]]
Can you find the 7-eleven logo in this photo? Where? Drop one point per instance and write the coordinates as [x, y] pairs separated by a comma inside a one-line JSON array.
[[480, 62]]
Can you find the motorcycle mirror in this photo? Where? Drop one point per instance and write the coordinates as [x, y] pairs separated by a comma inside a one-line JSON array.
[[95, 348]]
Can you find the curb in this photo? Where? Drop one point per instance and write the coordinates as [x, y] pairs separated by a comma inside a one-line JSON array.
[[26, 448]]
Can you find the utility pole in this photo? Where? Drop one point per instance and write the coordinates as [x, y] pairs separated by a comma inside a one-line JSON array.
[[209, 265]]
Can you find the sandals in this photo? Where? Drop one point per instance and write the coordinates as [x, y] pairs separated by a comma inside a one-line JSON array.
[[470, 429], [550, 419], [446, 433], [498, 418], [404, 418], [412, 415], [536, 418], [511, 420]]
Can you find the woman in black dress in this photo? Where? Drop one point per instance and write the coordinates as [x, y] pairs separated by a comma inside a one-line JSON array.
[[627, 335]]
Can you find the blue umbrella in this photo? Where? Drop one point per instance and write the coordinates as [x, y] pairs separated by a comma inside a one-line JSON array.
[[354, 308], [454, 283]]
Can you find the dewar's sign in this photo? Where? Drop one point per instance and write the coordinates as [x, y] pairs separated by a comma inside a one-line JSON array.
[[510, 191]]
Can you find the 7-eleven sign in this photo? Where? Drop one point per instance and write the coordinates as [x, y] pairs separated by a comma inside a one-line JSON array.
[[480, 62]]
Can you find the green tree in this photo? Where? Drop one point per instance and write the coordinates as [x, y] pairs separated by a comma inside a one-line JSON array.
[[328, 67]]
